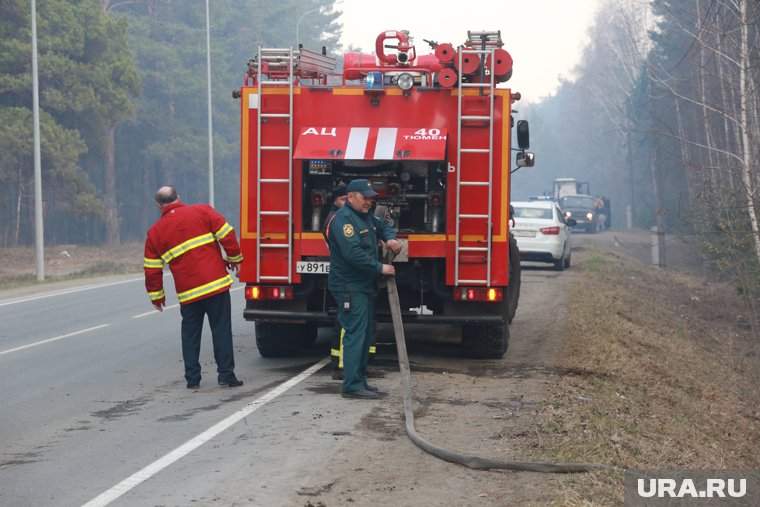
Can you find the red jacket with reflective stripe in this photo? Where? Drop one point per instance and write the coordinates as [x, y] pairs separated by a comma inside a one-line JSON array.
[[187, 238]]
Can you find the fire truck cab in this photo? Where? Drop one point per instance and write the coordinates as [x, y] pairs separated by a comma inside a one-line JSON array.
[[432, 133]]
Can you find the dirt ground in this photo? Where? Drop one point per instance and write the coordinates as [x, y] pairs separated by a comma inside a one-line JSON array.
[[480, 408], [63, 262]]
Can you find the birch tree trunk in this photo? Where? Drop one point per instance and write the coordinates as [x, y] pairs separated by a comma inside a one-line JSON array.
[[744, 103]]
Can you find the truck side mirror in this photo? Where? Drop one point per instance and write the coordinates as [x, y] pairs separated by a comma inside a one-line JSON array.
[[525, 159], [523, 134]]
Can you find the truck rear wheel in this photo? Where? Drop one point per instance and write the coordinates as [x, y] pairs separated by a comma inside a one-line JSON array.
[[309, 334], [485, 342], [280, 340], [515, 276]]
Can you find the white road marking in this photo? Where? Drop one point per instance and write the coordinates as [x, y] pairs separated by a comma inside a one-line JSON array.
[[53, 339], [69, 291], [192, 444], [153, 312]]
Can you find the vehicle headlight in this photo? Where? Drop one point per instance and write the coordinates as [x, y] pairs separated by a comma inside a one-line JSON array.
[[590, 215], [405, 81]]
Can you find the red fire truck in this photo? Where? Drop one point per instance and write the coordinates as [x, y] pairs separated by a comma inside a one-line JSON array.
[[432, 133]]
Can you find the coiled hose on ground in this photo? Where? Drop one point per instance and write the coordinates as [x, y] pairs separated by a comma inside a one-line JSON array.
[[474, 462]]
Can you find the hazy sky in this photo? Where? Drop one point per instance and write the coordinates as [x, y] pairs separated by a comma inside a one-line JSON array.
[[544, 37]]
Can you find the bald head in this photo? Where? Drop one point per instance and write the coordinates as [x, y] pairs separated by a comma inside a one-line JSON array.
[[166, 195]]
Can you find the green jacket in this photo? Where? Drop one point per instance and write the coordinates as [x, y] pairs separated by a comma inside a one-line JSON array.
[[352, 239]]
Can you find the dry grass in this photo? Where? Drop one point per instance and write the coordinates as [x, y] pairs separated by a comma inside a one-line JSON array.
[[65, 262], [655, 374]]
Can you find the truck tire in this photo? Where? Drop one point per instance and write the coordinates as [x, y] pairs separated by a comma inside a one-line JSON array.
[[485, 342], [515, 277], [279, 340], [309, 335]]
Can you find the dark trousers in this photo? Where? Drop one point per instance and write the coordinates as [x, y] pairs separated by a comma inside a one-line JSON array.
[[218, 309], [357, 324], [336, 345]]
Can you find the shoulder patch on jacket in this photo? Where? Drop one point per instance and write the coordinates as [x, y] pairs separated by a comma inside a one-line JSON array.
[[348, 230]]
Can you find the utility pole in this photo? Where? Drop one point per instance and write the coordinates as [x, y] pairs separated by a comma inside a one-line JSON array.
[[210, 129], [39, 239]]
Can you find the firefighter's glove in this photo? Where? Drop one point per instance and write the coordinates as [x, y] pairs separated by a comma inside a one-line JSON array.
[[159, 304], [233, 267]]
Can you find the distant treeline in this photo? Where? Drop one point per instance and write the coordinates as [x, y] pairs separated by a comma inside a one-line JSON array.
[[664, 118]]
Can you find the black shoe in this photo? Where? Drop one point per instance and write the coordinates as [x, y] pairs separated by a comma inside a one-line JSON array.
[[337, 374], [233, 382], [192, 386], [362, 394], [374, 389]]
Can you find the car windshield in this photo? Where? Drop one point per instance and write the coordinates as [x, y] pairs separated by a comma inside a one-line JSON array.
[[576, 201], [533, 212]]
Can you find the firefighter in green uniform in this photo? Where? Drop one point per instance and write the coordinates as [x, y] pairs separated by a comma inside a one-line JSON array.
[[354, 272], [338, 199]]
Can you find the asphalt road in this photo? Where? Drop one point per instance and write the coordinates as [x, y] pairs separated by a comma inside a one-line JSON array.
[[94, 406]]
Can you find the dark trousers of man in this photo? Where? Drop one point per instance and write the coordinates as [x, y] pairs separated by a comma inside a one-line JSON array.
[[357, 337], [218, 309]]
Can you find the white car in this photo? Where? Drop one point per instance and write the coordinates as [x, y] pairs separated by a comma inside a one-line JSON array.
[[543, 233]]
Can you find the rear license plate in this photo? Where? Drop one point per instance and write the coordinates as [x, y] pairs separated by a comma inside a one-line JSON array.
[[524, 234], [316, 267]]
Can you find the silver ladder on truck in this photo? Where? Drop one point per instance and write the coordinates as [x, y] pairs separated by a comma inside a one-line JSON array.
[[268, 59], [480, 44], [282, 67]]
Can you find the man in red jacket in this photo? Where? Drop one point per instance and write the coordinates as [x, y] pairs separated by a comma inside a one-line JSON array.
[[187, 238]]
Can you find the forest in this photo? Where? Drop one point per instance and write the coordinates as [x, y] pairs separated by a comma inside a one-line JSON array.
[[123, 101], [662, 116]]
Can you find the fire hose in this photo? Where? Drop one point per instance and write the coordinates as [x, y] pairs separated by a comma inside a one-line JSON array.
[[473, 462]]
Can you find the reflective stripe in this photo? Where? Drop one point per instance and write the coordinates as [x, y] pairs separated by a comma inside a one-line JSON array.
[[226, 229], [156, 295], [153, 263], [327, 228], [187, 246], [340, 355], [197, 292], [237, 258], [335, 352], [372, 349]]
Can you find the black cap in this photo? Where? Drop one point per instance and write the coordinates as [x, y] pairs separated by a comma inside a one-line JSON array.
[[338, 191]]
